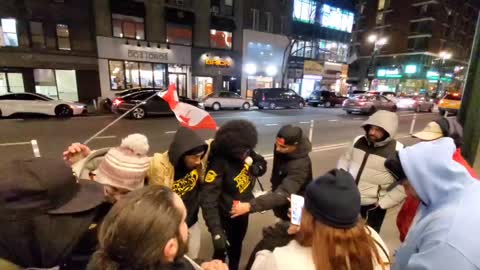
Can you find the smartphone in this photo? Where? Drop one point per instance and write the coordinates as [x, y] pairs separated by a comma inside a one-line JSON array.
[[296, 205]]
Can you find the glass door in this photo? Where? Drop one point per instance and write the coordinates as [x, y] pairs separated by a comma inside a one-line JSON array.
[[180, 81]]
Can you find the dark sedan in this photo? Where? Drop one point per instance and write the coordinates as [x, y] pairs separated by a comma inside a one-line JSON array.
[[368, 104], [154, 106]]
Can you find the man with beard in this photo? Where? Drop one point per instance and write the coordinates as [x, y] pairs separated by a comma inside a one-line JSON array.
[[147, 229], [292, 171], [232, 169], [365, 161]]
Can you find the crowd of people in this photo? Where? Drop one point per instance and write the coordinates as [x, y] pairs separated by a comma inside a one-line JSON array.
[[120, 209]]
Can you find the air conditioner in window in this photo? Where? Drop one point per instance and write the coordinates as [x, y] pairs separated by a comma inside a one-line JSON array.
[[215, 10], [180, 2]]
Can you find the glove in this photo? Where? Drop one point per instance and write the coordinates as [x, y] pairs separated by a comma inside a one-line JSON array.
[[220, 245]]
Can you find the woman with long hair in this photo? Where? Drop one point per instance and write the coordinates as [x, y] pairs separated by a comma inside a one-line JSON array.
[[331, 235]]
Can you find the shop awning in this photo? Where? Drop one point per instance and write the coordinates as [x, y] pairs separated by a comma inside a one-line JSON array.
[[180, 16], [223, 24], [129, 8]]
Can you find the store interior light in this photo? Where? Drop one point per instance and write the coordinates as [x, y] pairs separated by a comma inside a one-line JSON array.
[[382, 41], [250, 68], [271, 70], [372, 38]]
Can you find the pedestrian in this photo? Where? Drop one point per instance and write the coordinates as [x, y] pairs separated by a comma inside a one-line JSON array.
[[45, 213], [440, 128], [292, 171], [119, 169], [231, 173], [365, 161], [146, 230], [182, 168], [445, 236], [331, 235]]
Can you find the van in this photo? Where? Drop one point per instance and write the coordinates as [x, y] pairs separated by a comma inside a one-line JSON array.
[[273, 98]]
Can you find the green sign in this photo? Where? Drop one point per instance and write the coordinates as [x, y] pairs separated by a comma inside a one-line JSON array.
[[410, 69], [389, 73]]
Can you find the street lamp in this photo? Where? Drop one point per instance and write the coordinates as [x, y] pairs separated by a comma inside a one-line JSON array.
[[378, 43], [444, 55]]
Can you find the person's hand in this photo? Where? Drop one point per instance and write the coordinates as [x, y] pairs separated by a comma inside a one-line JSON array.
[[75, 152], [240, 209], [214, 265], [293, 229]]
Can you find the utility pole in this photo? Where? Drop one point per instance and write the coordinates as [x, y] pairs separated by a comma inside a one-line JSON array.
[[469, 114]]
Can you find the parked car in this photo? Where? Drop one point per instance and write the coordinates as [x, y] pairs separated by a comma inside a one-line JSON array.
[[325, 98], [273, 98], [154, 106], [368, 104], [416, 103], [32, 103], [450, 103], [226, 100], [354, 93]]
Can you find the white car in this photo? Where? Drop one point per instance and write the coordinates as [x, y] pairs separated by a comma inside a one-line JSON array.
[[39, 104], [226, 100]]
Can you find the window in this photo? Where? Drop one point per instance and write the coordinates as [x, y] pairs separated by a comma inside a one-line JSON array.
[[11, 83], [128, 27], [308, 49], [228, 8], [229, 3], [380, 18], [132, 75], [304, 11], [283, 25], [255, 19], [220, 39], [37, 35], [336, 18], [159, 80], [268, 22], [45, 82], [146, 75], [8, 33], [418, 44], [63, 37], [381, 4], [179, 34], [117, 75]]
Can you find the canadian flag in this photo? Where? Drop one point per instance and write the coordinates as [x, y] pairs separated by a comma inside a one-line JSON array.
[[188, 115]]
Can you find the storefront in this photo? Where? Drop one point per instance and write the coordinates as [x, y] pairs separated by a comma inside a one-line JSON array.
[[127, 64], [262, 60], [214, 71]]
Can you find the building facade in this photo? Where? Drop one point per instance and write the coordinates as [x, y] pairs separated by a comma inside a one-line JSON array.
[[320, 37], [428, 45], [48, 47], [153, 43]]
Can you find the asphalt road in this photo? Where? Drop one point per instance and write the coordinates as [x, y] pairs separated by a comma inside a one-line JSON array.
[[332, 131], [331, 126]]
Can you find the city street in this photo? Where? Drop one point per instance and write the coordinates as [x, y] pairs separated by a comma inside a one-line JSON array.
[[332, 131]]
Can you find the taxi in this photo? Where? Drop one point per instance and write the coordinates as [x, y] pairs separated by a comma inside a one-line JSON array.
[[450, 103]]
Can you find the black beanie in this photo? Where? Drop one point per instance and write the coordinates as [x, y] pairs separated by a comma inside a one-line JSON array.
[[289, 135], [334, 199]]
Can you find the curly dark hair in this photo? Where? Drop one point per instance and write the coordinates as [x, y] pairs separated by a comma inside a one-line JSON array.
[[234, 138]]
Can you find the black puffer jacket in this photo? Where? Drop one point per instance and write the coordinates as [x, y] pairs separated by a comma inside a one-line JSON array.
[[290, 175]]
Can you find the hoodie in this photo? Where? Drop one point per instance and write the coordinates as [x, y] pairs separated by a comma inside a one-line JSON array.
[[290, 175], [169, 169], [365, 161], [446, 235]]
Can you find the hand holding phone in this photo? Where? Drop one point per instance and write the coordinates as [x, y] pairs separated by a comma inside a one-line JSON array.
[[296, 203]]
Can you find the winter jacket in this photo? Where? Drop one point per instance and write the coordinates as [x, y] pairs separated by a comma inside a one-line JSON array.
[[42, 240], [365, 161], [187, 186], [228, 180], [409, 208], [290, 175], [295, 256], [446, 235]]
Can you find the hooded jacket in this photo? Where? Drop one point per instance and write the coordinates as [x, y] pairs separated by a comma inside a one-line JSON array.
[[446, 235], [186, 184], [365, 161], [290, 175], [228, 179]]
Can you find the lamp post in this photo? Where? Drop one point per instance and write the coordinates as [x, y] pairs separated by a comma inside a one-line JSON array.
[[443, 55], [378, 43]]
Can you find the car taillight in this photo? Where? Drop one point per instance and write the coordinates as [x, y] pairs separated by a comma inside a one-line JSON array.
[[117, 101], [361, 103], [263, 97]]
